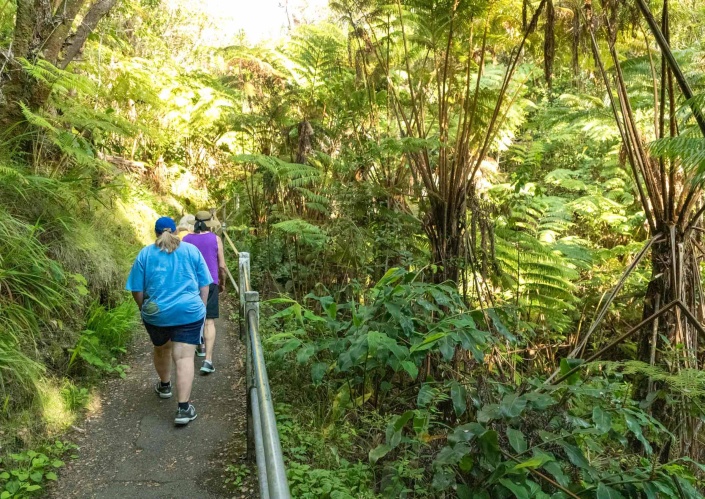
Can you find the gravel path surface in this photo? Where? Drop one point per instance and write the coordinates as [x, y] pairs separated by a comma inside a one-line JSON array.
[[130, 447]]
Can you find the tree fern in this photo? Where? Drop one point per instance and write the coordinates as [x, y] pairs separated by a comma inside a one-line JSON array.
[[303, 231], [533, 267]]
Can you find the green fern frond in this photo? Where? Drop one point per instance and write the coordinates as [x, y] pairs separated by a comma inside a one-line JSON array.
[[305, 232]]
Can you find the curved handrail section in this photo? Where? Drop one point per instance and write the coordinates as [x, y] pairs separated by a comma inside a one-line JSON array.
[[262, 436]]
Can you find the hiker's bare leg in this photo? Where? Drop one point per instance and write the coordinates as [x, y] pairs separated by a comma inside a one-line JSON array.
[[183, 358], [209, 334], [162, 361]]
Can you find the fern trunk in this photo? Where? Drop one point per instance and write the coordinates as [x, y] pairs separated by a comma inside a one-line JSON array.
[[673, 339], [445, 228]]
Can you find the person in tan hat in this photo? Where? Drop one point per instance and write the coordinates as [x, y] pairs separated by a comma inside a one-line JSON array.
[[185, 225], [211, 247]]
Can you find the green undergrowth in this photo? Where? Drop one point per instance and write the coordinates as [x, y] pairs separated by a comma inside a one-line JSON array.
[[66, 245], [25, 474], [322, 463], [406, 394]]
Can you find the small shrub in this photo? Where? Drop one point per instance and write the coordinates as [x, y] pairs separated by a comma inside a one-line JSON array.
[[76, 398], [25, 474], [106, 335]]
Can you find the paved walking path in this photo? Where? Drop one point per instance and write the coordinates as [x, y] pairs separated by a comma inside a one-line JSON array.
[[131, 448]]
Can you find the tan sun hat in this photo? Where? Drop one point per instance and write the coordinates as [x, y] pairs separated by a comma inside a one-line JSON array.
[[205, 216], [186, 223]]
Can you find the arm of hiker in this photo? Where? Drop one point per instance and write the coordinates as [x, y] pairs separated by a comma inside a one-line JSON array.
[[221, 265], [204, 294], [203, 276], [135, 281], [139, 298]]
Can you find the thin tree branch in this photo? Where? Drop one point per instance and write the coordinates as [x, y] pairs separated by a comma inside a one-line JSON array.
[[673, 64], [613, 295], [95, 13], [616, 342]]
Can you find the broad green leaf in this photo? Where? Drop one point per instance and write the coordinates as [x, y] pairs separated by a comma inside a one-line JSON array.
[[305, 353], [512, 406], [650, 491], [410, 368], [489, 445], [466, 432], [390, 277], [402, 420], [516, 440], [533, 462], [443, 478], [12, 486], [446, 346], [426, 395], [635, 428], [421, 422], [379, 452], [464, 492], [318, 371], [458, 395], [575, 455], [452, 454], [555, 469], [539, 401], [566, 366], [428, 342], [518, 491], [488, 413], [605, 492], [469, 341], [289, 346], [499, 325], [602, 420]]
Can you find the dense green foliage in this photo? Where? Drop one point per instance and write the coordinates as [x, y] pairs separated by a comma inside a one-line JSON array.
[[442, 201]]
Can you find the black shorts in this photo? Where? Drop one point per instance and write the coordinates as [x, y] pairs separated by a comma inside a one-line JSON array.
[[213, 305], [185, 333]]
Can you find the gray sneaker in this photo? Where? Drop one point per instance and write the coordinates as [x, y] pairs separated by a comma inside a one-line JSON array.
[[164, 392], [201, 351], [184, 416], [207, 367]]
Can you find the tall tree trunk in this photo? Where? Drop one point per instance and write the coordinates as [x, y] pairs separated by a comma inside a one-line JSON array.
[[445, 228], [549, 44], [41, 32], [575, 47]]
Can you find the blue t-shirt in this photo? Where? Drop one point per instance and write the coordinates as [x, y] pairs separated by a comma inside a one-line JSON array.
[[170, 283]]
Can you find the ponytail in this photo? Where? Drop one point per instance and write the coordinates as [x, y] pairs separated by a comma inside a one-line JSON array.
[[200, 227], [167, 242]]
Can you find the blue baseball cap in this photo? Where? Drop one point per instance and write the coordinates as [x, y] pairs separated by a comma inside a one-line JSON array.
[[164, 223]]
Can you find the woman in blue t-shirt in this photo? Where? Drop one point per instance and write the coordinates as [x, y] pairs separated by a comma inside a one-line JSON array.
[[169, 282]]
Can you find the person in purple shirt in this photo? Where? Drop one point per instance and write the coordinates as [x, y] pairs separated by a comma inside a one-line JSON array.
[[211, 247], [169, 282]]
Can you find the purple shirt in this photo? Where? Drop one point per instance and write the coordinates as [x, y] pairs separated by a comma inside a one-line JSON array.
[[207, 244]]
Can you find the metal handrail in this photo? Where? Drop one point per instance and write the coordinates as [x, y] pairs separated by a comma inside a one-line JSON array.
[[262, 435]]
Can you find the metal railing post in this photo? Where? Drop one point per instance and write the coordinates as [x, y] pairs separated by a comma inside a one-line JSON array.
[[263, 443], [244, 277], [255, 450], [274, 458]]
